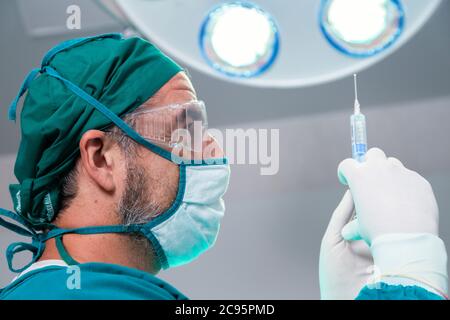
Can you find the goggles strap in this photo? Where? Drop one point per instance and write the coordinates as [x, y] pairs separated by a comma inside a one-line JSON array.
[[75, 42], [46, 60], [23, 88], [107, 113]]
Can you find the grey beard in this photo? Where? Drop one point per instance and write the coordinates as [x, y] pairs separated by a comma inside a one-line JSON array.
[[135, 206]]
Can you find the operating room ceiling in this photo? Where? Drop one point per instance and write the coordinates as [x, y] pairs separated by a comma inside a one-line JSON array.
[[418, 70]]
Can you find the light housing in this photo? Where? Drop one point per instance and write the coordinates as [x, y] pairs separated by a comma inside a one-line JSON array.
[[305, 57], [361, 28], [239, 39]]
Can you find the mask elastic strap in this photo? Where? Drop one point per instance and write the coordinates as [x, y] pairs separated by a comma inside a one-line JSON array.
[[58, 235], [69, 260], [143, 229], [65, 256], [95, 230], [37, 245]]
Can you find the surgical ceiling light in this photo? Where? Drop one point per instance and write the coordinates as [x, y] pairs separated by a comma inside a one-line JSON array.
[[361, 28], [239, 39], [305, 57]]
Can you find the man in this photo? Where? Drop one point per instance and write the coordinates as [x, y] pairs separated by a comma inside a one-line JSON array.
[[115, 200], [120, 211]]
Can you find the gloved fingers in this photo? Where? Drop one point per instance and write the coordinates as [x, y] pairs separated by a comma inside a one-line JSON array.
[[346, 170], [375, 154], [350, 232], [341, 215], [395, 162]]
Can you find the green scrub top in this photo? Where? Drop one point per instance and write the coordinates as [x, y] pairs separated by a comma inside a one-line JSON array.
[[97, 281], [101, 281], [396, 292]]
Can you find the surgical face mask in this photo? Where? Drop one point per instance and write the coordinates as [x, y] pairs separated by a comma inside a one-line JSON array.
[[190, 226], [178, 235]]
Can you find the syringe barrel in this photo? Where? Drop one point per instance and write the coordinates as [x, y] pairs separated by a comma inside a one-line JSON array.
[[359, 136]]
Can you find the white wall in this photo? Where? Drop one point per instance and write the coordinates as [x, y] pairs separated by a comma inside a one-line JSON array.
[[270, 238]]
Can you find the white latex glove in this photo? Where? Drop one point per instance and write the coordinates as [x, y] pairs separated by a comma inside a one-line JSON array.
[[344, 267], [397, 215], [388, 198]]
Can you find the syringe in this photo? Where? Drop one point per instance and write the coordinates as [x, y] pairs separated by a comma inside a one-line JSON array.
[[358, 128]]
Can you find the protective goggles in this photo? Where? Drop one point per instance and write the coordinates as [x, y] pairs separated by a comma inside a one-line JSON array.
[[176, 126]]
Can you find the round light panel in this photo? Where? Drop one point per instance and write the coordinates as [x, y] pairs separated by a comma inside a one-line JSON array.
[[361, 28], [239, 39]]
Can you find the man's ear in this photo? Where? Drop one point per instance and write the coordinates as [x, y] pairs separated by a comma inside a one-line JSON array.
[[99, 159]]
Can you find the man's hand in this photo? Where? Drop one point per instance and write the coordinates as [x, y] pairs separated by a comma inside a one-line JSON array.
[[398, 217], [388, 197], [344, 267]]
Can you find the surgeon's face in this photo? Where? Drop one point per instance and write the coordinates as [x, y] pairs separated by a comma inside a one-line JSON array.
[[152, 181]]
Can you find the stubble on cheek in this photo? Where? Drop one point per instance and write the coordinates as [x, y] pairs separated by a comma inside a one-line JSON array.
[[162, 180]]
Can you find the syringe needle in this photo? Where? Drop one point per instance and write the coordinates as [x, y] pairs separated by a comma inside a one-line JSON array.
[[357, 106]]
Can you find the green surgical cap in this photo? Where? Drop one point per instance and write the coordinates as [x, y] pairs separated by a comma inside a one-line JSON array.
[[120, 73]]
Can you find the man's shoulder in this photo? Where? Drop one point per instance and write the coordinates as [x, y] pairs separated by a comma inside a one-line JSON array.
[[89, 281]]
